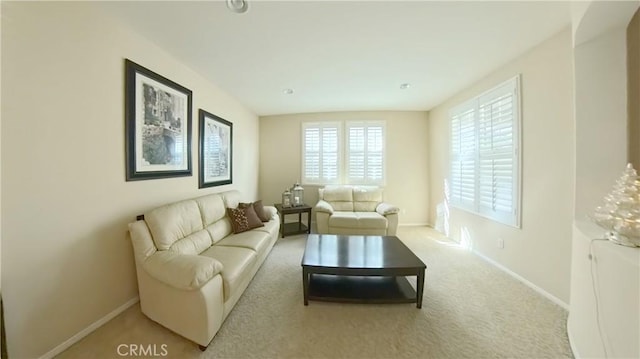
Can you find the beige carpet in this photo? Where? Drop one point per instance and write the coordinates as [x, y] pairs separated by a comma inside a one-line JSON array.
[[470, 310]]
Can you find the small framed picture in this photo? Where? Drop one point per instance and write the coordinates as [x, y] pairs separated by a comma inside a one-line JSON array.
[[216, 150], [157, 125]]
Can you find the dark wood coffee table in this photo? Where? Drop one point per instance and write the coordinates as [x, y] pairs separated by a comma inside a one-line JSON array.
[[360, 269]]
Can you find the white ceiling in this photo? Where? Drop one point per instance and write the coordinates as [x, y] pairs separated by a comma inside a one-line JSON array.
[[344, 56]]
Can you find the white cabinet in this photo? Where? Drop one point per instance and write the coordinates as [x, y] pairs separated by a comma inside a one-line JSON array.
[[604, 315]]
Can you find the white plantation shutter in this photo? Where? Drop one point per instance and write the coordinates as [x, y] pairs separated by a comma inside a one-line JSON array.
[[497, 153], [359, 159], [356, 163], [321, 153], [485, 173], [463, 157], [365, 153]]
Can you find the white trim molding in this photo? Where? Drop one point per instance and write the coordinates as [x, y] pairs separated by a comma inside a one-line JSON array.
[[546, 294], [88, 330]]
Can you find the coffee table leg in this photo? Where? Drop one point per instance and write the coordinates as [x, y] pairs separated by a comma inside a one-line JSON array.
[[420, 288], [305, 285]]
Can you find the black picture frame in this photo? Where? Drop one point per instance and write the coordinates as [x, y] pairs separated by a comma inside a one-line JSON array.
[[157, 125], [216, 150]]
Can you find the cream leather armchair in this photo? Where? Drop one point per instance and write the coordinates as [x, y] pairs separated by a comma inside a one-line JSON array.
[[355, 210]]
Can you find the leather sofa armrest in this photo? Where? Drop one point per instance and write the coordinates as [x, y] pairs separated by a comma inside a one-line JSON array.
[[143, 245], [385, 209], [323, 206], [271, 212], [182, 271]]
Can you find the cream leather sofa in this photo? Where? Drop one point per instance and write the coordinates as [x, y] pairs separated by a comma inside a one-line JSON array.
[[355, 210], [191, 268]]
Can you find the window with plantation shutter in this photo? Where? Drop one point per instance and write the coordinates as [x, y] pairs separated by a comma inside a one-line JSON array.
[[485, 173], [365, 152], [321, 153], [351, 152]]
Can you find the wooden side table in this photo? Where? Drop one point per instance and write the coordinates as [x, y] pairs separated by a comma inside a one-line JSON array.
[[294, 227]]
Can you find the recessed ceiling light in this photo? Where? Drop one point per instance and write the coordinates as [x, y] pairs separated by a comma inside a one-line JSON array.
[[238, 6], [405, 86], [287, 91]]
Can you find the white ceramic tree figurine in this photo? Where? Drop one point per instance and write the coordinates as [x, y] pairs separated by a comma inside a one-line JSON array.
[[620, 213]]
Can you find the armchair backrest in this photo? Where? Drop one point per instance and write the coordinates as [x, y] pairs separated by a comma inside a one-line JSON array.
[[366, 199], [351, 198], [339, 197]]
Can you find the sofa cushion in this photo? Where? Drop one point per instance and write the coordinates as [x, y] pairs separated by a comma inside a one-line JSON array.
[[214, 219], [212, 208], [236, 262], [193, 243], [173, 222], [337, 193], [220, 229], [366, 199], [255, 240], [357, 220], [371, 220], [271, 227], [339, 197], [231, 198]]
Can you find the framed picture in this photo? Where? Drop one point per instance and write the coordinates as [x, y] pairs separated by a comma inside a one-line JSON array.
[[216, 150], [157, 125]]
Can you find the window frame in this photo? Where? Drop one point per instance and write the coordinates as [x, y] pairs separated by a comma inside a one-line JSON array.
[[343, 151], [347, 152], [475, 207], [303, 167]]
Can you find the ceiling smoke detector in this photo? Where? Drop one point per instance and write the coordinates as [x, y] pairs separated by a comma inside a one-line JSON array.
[[238, 6], [405, 86]]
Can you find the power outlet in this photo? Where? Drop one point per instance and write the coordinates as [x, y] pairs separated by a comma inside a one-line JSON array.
[[500, 243]]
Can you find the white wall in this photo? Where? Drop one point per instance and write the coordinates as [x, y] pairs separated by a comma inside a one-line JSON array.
[[1, 349], [633, 94], [67, 260], [407, 157], [608, 327], [601, 117], [539, 252]]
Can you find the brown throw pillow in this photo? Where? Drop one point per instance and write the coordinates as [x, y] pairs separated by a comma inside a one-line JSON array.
[[252, 217], [264, 217], [239, 221], [259, 209]]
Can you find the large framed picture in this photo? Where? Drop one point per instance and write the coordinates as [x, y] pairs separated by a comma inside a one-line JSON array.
[[157, 125], [216, 150]]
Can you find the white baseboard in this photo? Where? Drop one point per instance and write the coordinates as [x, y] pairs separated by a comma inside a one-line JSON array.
[[573, 348], [414, 224], [88, 330], [520, 278]]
